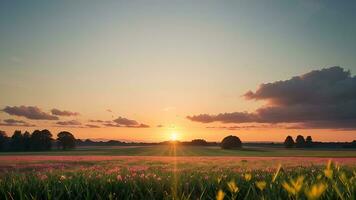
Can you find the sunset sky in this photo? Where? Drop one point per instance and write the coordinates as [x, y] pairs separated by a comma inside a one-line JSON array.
[[144, 70]]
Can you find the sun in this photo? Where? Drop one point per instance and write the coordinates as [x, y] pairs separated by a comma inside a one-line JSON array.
[[174, 136]]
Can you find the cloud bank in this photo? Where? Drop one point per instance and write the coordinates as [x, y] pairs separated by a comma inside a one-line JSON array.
[[29, 112], [319, 99]]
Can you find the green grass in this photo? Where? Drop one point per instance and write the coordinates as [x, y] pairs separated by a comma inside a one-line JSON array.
[[167, 150], [161, 180]]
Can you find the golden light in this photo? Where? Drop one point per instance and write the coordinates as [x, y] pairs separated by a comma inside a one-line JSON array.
[[174, 136]]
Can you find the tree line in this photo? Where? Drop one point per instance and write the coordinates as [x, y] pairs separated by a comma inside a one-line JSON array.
[[299, 142], [38, 140]]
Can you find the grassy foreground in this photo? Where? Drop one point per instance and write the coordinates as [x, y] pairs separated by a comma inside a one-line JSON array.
[[172, 180], [178, 172]]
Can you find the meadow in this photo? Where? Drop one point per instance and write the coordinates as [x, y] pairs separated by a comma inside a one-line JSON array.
[[178, 172]]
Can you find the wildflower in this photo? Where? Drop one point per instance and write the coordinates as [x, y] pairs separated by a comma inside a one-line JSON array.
[[247, 176], [328, 173], [219, 180], [294, 186], [42, 177], [220, 195], [316, 191], [261, 185], [232, 186], [119, 177], [62, 178]]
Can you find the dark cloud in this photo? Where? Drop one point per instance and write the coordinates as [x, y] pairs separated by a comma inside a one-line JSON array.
[[244, 127], [66, 113], [319, 99], [125, 122], [121, 122], [13, 122], [69, 123], [30, 112]]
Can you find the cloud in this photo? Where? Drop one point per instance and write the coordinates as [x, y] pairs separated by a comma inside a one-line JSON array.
[[69, 123], [319, 99], [121, 122], [125, 122], [160, 126], [92, 126], [30, 112], [66, 113], [244, 127], [13, 122], [99, 121]]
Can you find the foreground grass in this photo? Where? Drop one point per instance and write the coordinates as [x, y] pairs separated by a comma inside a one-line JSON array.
[[166, 150], [173, 180]]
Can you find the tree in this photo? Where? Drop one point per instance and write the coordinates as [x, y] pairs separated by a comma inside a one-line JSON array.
[[17, 143], [27, 141], [289, 142], [66, 140], [199, 142], [3, 140], [300, 141], [309, 141], [41, 140], [231, 142]]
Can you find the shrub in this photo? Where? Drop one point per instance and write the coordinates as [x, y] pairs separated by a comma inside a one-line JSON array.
[[231, 142]]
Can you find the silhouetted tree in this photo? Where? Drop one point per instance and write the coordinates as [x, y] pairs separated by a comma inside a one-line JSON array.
[[41, 140], [300, 141], [27, 141], [199, 142], [65, 140], [309, 141], [289, 142], [3, 140], [17, 143], [231, 142]]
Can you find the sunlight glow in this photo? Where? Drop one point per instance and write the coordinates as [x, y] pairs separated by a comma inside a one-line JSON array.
[[174, 136]]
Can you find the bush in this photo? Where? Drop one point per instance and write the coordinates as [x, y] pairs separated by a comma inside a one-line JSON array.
[[231, 142]]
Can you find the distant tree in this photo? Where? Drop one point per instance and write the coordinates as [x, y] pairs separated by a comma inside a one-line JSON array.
[[3, 140], [17, 143], [231, 142], [309, 141], [66, 140], [41, 140], [289, 142], [300, 141], [199, 142], [27, 141]]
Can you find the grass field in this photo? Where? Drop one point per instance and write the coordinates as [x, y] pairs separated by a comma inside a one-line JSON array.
[[167, 150], [178, 172]]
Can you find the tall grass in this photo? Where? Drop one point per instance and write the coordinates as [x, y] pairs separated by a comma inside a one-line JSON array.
[[163, 182]]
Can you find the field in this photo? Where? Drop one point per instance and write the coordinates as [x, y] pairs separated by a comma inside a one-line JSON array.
[[179, 172]]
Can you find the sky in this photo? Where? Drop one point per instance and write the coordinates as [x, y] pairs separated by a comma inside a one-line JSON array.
[[147, 70]]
